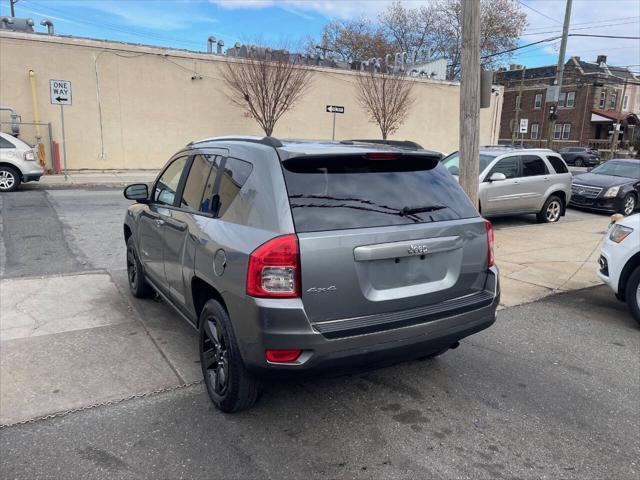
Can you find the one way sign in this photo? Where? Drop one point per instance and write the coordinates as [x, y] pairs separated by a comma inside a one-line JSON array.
[[60, 92]]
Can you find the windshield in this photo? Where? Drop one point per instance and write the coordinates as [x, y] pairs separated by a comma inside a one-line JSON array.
[[341, 192], [629, 169], [452, 162]]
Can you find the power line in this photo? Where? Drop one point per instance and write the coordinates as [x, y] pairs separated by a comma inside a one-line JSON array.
[[593, 27], [538, 12], [594, 22]]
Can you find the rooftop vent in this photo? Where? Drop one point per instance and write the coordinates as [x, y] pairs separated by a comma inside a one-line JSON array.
[[17, 24]]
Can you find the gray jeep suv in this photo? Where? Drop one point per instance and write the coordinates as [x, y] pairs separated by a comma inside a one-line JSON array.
[[295, 257]]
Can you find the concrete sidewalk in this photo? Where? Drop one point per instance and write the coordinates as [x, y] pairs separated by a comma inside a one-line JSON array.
[[97, 177], [541, 259]]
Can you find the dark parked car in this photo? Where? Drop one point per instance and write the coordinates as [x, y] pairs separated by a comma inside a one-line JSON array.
[[580, 156], [293, 257], [614, 186]]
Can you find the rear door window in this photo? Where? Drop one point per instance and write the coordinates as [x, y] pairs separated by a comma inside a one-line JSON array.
[[557, 163], [356, 191], [509, 166], [532, 165], [192, 196]]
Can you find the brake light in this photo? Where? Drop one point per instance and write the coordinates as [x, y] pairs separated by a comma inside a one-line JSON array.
[[274, 269], [282, 356], [490, 243], [29, 156], [382, 156]]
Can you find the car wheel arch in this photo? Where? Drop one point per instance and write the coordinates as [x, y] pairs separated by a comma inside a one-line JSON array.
[[15, 167], [627, 270], [561, 194], [201, 292]]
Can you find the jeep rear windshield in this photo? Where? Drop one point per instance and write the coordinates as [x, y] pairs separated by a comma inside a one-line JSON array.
[[359, 191]]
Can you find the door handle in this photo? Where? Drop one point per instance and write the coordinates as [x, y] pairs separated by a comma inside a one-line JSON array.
[[159, 222]]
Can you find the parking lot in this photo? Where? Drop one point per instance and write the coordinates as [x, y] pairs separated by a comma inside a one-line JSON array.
[[549, 391]]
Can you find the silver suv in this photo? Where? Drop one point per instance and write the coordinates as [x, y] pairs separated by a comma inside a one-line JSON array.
[[520, 181], [295, 257]]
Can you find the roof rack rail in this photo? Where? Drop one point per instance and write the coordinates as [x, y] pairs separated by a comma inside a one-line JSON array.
[[269, 141], [393, 143]]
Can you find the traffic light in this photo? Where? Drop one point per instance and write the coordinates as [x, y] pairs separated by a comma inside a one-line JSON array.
[[552, 112]]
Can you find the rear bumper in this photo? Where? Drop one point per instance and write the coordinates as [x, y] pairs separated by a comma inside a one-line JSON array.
[[35, 177], [423, 336]]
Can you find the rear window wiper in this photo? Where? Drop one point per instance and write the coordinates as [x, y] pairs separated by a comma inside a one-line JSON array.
[[421, 209]]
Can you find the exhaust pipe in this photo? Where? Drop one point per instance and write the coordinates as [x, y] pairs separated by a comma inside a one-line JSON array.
[[49, 24], [210, 41]]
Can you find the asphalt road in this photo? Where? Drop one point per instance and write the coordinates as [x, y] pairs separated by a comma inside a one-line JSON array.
[[552, 390]]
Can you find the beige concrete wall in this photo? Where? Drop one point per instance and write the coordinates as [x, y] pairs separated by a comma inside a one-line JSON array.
[[133, 106]]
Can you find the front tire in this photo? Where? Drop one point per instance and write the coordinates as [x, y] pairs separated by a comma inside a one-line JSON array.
[[230, 386], [9, 178], [137, 283], [551, 210], [628, 204], [632, 294]]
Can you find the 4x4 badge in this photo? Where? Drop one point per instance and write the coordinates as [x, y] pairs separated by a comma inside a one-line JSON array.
[[332, 288]]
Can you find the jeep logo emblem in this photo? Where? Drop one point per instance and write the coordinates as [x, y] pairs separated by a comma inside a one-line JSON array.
[[418, 249]]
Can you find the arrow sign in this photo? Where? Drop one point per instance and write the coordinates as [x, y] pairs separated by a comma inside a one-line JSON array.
[[335, 109], [60, 92]]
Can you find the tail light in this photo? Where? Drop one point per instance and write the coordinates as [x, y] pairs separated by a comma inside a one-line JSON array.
[[29, 156], [274, 269], [490, 243]]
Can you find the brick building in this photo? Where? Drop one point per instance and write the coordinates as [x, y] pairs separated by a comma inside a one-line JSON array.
[[590, 103]]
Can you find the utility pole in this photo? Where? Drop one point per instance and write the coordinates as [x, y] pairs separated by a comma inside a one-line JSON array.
[[616, 125], [560, 68], [516, 127], [470, 100], [13, 10]]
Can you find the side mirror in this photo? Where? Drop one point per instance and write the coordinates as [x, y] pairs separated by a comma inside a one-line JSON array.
[[497, 177], [138, 192]]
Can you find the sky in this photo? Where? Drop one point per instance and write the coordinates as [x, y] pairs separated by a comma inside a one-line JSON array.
[[188, 23]]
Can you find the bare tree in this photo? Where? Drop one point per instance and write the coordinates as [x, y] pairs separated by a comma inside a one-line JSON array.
[[355, 40], [501, 24], [266, 85], [386, 97], [410, 30]]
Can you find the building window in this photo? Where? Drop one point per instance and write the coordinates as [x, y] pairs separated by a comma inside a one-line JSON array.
[[562, 131], [562, 99], [613, 100], [534, 131], [518, 102], [557, 131], [571, 99], [603, 98], [538, 101], [625, 102]]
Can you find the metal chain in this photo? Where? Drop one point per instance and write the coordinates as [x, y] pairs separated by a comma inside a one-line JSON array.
[[101, 404]]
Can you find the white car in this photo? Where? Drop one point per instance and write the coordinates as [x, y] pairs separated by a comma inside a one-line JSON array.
[[18, 163], [619, 263]]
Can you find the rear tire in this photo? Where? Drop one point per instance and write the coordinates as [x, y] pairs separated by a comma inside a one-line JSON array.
[[632, 294], [137, 283], [9, 178], [579, 162], [231, 387], [551, 210]]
